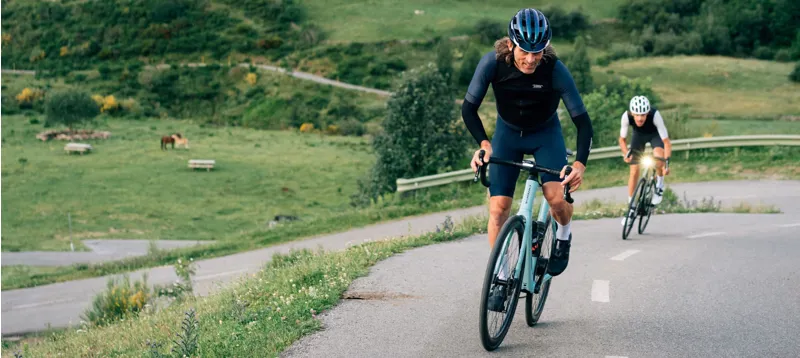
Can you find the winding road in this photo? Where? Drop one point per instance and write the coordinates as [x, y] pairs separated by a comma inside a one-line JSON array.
[[709, 285]]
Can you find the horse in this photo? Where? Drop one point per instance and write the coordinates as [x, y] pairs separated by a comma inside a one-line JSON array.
[[167, 140], [181, 140]]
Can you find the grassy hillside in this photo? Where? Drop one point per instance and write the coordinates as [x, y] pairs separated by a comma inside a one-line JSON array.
[[717, 86], [69, 34], [382, 20], [130, 188]]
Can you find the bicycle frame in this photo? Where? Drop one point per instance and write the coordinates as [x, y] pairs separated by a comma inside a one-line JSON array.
[[526, 211]]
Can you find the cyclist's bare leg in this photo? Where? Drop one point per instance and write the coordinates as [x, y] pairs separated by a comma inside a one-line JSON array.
[[632, 179], [559, 208], [659, 152], [499, 209]]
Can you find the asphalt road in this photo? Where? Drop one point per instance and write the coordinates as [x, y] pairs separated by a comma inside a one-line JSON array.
[[713, 285]]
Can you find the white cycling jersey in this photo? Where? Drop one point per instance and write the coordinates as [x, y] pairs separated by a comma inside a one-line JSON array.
[[658, 121]]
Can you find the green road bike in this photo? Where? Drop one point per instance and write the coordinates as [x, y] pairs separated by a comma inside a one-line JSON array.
[[521, 252]]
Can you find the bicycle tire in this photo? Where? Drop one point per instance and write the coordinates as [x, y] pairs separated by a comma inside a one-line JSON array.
[[632, 206], [532, 314], [514, 223], [648, 202]]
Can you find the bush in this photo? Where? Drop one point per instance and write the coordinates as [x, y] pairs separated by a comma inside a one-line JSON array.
[[9, 105], [605, 106], [620, 51], [488, 31], [468, 64], [422, 134], [581, 67], [764, 53], [783, 55], [120, 300], [795, 75], [352, 127], [444, 60], [568, 25], [680, 27], [70, 108]]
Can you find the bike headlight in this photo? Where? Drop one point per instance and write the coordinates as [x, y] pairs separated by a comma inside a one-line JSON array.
[[647, 161]]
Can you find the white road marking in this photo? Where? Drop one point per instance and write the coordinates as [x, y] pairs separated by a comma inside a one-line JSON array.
[[705, 234], [790, 225], [616, 357], [600, 291], [625, 255], [39, 304]]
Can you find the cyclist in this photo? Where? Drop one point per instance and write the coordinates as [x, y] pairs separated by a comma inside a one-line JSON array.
[[648, 126], [528, 81]]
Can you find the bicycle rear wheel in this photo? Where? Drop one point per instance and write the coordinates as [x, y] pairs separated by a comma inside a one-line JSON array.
[[494, 325], [633, 208], [647, 205], [534, 301]]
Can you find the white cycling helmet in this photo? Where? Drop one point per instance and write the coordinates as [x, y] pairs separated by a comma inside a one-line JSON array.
[[639, 105]]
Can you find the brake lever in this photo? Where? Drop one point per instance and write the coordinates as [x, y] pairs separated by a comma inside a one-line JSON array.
[[477, 172], [567, 195]]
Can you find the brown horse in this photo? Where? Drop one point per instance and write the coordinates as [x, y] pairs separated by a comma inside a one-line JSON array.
[[167, 140]]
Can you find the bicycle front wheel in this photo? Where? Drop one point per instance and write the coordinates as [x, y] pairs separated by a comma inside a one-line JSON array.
[[495, 319], [633, 208], [534, 301], [647, 206]]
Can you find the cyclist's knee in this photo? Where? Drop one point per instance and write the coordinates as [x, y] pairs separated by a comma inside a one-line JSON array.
[[554, 194], [499, 207]]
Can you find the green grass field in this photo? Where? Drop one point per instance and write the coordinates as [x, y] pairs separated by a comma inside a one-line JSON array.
[[130, 188], [380, 20], [718, 86]]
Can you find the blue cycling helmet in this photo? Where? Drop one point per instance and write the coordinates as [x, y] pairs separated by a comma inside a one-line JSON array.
[[530, 30]]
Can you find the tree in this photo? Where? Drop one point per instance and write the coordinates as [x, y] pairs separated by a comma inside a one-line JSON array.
[[581, 67], [70, 108], [444, 60], [422, 134], [605, 106], [468, 64]]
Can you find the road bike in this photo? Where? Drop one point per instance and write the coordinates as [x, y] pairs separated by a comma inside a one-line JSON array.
[[519, 264], [641, 204]]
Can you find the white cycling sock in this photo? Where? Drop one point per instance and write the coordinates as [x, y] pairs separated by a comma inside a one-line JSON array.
[[562, 232], [660, 182], [629, 199]]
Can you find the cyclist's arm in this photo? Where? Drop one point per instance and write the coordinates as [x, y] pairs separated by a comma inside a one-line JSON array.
[[623, 133], [662, 132], [475, 93], [564, 83]]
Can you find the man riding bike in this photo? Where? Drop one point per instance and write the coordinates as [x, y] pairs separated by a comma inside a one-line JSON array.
[[648, 126], [528, 81]]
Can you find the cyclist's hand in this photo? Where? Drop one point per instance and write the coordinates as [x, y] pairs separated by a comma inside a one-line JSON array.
[[666, 171], [476, 161], [575, 178], [627, 159]]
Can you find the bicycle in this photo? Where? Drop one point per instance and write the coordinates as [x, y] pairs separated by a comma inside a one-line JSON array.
[[535, 241], [641, 204]]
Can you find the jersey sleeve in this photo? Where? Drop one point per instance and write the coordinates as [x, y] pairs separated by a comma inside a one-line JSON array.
[[565, 84], [481, 79], [659, 122], [623, 126]]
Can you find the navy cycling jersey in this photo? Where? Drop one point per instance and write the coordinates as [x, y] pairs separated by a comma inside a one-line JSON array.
[[527, 102]]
